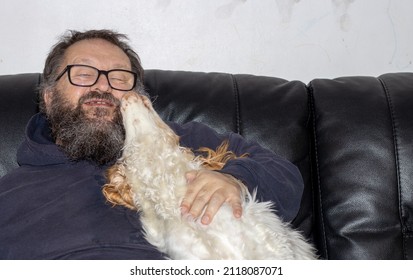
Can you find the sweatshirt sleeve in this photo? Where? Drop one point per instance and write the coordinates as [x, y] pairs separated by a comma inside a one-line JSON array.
[[274, 178]]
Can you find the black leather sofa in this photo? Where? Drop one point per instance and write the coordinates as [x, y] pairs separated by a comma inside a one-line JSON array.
[[351, 137]]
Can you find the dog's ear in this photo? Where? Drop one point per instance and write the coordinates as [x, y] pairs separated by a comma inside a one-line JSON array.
[[117, 191], [215, 160]]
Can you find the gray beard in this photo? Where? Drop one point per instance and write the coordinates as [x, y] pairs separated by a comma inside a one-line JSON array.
[[96, 139]]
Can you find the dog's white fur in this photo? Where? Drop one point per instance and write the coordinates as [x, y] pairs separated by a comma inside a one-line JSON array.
[[154, 165]]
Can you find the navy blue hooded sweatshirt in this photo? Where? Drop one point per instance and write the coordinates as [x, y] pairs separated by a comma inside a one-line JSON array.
[[53, 208]]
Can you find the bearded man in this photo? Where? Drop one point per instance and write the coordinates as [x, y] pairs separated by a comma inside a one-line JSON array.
[[52, 206]]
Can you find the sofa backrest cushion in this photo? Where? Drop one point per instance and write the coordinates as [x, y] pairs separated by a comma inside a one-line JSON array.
[[18, 95], [363, 149]]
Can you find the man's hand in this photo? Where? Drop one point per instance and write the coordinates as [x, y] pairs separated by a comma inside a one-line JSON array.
[[211, 189]]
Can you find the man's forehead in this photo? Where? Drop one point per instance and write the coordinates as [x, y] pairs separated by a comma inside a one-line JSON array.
[[91, 51]]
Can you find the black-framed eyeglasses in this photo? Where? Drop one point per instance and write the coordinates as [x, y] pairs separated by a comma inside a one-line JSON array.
[[86, 76]]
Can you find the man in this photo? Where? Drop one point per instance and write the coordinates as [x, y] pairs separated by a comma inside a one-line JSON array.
[[52, 206]]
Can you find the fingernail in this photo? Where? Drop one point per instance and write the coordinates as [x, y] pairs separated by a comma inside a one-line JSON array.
[[205, 220], [184, 210]]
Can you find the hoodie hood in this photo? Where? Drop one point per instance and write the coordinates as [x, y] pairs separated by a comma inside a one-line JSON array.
[[38, 148]]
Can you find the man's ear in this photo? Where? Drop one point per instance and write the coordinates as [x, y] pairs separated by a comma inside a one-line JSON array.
[[47, 97]]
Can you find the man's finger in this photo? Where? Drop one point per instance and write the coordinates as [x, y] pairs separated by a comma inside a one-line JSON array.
[[190, 194], [212, 208]]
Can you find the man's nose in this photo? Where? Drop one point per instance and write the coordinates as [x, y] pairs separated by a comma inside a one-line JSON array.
[[102, 84]]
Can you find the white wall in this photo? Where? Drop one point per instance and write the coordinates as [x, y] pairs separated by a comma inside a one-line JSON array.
[[291, 39]]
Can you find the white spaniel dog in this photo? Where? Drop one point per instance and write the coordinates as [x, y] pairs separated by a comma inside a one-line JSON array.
[[150, 177]]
